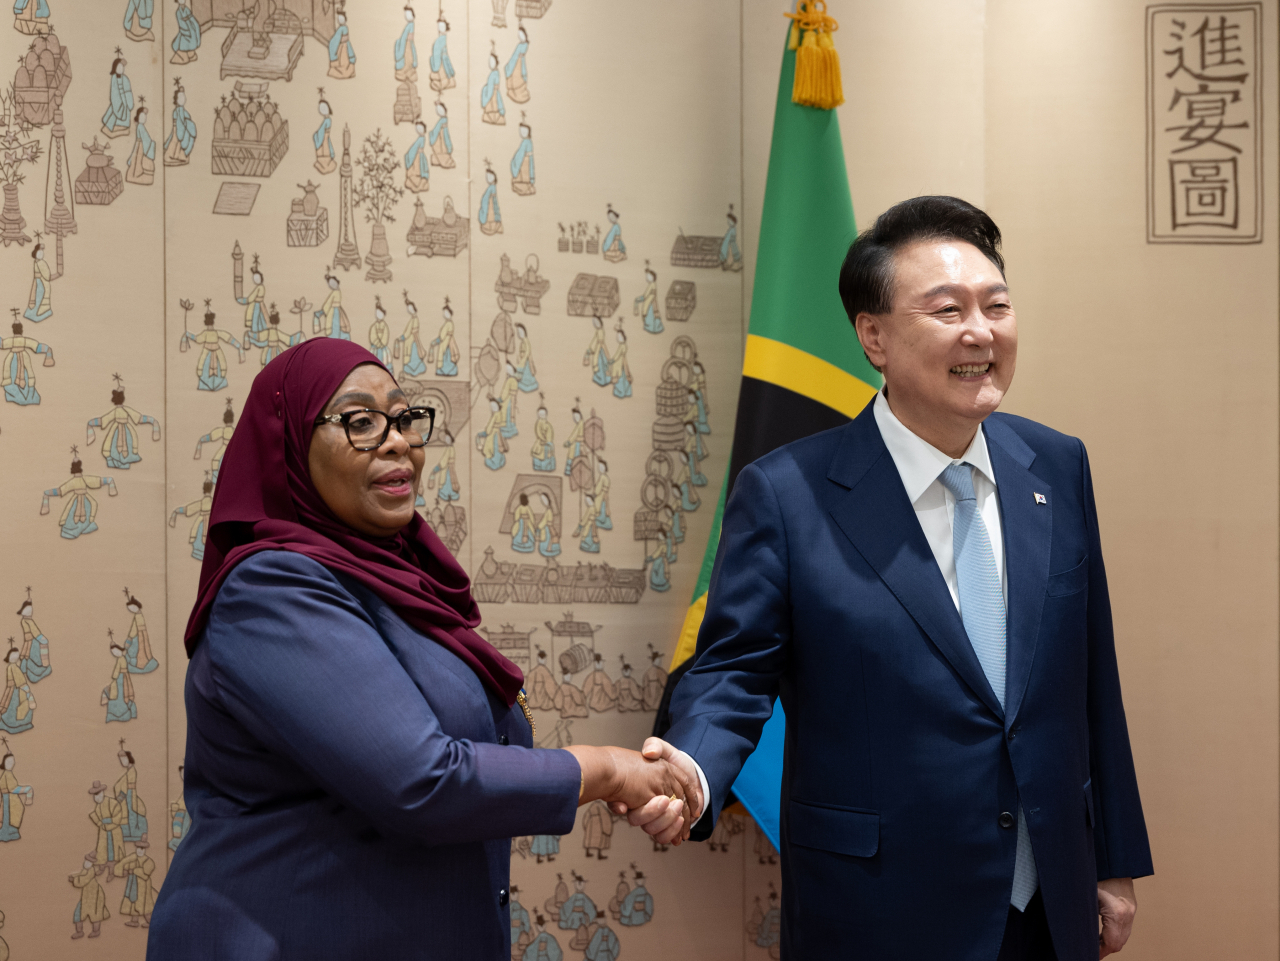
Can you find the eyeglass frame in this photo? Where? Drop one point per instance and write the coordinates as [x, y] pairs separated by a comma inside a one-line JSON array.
[[345, 420]]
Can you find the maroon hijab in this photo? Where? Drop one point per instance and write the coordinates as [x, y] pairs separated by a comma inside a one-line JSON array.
[[265, 501]]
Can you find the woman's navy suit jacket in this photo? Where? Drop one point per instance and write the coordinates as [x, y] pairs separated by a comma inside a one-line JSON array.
[[353, 789], [900, 766]]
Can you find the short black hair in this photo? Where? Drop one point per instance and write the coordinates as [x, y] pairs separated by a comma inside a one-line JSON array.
[[866, 276]]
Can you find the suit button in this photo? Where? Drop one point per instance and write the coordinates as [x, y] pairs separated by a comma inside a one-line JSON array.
[[503, 740], [1006, 820], [503, 898]]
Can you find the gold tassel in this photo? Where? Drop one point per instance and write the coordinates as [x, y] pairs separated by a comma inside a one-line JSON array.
[[817, 79]]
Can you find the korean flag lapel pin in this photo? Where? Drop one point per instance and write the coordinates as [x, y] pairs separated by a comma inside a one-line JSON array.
[[1040, 498]]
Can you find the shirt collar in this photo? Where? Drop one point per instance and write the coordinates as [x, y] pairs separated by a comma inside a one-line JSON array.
[[919, 463]]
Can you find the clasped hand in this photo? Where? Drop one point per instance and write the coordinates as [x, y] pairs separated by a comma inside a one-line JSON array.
[[656, 788]]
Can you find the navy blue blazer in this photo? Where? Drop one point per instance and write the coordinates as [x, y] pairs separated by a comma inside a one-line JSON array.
[[353, 788], [899, 761]]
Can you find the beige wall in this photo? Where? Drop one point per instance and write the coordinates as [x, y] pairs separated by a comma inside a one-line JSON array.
[[1162, 358]]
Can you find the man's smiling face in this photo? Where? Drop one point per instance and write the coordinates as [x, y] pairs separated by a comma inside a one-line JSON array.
[[949, 346]]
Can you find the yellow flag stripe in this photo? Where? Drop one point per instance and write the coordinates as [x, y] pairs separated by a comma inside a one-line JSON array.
[[803, 373], [688, 641]]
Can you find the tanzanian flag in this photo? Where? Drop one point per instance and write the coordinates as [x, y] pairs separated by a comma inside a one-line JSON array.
[[804, 370]]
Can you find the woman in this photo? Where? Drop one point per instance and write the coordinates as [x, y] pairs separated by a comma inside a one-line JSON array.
[[646, 305], [443, 351], [134, 827], [548, 535], [619, 369], [137, 642], [142, 162], [525, 367], [406, 50], [544, 441], [380, 334], [522, 527], [38, 307], [369, 759], [333, 312], [17, 704], [523, 178], [118, 696]]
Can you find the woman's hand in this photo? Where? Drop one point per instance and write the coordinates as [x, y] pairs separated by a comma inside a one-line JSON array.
[[627, 780]]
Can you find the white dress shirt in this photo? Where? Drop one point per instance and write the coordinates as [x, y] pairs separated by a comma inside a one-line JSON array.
[[919, 465]]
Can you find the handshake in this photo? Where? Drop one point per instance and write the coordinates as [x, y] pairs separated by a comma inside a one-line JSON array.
[[657, 788]]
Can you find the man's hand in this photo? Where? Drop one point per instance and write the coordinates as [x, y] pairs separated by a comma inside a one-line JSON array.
[[655, 816], [1117, 905]]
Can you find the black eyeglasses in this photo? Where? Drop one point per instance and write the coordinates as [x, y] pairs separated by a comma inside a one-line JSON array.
[[369, 429]]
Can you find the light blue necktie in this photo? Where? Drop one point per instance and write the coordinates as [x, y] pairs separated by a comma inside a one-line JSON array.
[[982, 611]]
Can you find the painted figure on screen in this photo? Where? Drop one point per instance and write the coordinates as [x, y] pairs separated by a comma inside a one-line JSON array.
[[39, 306], [490, 441], [119, 429], [597, 356], [179, 819], [544, 440], [601, 493], [523, 176], [444, 473], [380, 334], [186, 44], [619, 369], [417, 163], [441, 142], [125, 790], [108, 817], [517, 69], [182, 136], [322, 139], [141, 168], [574, 443], [409, 344], [92, 906], [17, 703], [31, 17], [137, 19], [493, 109], [34, 655], [613, 249], [630, 694], [510, 391], [115, 121], [548, 536], [524, 365], [273, 340], [79, 515], [444, 351], [442, 73], [587, 527], [331, 319], [117, 696], [255, 311], [342, 56], [17, 364], [522, 527], [646, 305], [730, 255], [220, 436], [490, 212], [15, 798], [211, 362], [198, 513], [406, 51], [137, 642], [637, 906], [139, 890], [578, 910]]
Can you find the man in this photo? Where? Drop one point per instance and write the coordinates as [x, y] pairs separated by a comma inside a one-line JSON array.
[[924, 589]]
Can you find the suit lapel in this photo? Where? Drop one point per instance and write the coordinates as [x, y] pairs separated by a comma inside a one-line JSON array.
[[1027, 526], [875, 514]]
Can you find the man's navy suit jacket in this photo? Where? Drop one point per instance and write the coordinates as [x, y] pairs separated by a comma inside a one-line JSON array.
[[899, 761]]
